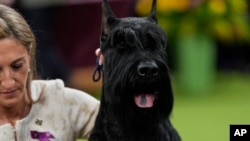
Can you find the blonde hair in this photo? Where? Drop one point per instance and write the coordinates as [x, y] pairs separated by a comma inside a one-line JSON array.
[[13, 25]]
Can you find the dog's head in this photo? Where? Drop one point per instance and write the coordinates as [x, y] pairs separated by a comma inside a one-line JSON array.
[[135, 61]]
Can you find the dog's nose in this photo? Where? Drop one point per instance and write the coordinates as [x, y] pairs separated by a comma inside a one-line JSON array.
[[147, 69]]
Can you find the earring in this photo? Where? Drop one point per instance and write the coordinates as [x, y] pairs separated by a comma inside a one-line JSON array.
[[29, 70]]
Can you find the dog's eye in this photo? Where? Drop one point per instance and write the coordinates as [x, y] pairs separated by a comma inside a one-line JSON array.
[[121, 44], [149, 42]]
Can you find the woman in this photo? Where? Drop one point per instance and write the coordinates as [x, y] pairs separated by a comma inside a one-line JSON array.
[[32, 109]]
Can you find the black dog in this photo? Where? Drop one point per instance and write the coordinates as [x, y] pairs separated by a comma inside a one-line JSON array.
[[137, 98]]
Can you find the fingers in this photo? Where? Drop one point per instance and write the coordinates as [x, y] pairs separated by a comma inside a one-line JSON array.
[[99, 54]]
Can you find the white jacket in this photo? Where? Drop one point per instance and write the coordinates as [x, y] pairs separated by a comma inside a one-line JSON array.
[[65, 113]]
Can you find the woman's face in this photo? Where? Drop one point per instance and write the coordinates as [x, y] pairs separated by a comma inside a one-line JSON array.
[[14, 69]]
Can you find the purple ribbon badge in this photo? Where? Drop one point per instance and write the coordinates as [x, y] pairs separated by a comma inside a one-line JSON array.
[[41, 136]]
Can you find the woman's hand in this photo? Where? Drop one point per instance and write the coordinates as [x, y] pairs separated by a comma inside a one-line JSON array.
[[99, 54]]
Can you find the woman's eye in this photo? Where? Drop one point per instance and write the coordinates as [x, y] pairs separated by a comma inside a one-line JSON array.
[[17, 66]]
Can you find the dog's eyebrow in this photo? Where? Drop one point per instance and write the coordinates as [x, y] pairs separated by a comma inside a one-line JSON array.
[[158, 36], [136, 41]]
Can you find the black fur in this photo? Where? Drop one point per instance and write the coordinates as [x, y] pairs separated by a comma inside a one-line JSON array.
[[135, 62]]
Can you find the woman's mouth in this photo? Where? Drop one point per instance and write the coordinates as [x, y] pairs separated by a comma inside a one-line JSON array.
[[8, 92]]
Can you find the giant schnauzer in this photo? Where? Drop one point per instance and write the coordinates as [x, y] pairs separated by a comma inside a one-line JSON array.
[[137, 98]]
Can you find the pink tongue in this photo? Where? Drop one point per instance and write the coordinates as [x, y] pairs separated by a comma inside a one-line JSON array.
[[144, 100]]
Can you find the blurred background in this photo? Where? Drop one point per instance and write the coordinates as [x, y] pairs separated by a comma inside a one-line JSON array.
[[208, 51]]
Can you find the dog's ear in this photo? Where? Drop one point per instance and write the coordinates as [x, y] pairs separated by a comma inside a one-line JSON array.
[[108, 18], [152, 16]]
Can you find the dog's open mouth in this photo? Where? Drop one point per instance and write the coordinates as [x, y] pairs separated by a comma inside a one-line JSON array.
[[144, 100]]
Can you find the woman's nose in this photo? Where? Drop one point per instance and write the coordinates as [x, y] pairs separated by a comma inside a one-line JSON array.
[[7, 79]]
